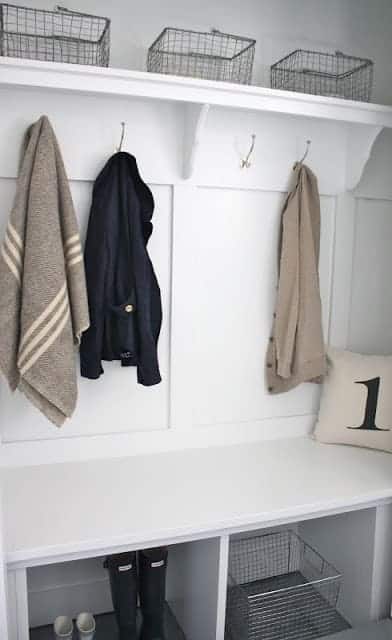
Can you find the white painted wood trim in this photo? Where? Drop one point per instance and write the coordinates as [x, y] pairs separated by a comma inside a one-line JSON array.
[[382, 563], [18, 605], [122, 82], [222, 586], [12, 606], [359, 148], [179, 436], [3, 602], [342, 273], [195, 124], [58, 555], [283, 481], [3, 581], [22, 604], [184, 198]]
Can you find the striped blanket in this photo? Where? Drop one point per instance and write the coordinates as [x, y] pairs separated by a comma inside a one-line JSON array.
[[44, 308]]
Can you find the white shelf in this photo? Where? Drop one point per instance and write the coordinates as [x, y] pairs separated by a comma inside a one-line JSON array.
[[121, 82], [64, 511]]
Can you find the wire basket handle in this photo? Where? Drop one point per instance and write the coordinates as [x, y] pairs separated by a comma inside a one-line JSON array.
[[61, 9]]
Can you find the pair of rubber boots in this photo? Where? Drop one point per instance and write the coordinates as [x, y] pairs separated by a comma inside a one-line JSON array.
[[143, 572]]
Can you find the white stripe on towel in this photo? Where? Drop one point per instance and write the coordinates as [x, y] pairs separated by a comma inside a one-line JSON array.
[[11, 265], [72, 240], [15, 235], [12, 249], [51, 306], [45, 346], [53, 322], [75, 260]]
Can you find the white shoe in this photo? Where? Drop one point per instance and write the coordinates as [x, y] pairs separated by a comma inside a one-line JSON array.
[[85, 625], [63, 628]]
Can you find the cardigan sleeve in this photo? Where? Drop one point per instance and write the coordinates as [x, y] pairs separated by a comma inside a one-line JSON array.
[[287, 307], [95, 257]]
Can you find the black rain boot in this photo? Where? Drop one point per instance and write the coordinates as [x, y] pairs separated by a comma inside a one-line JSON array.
[[123, 584], [152, 582]]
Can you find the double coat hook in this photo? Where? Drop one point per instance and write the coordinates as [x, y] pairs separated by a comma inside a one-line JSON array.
[[245, 162]]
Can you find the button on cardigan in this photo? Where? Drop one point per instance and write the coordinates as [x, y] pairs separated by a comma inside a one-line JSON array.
[[123, 292], [296, 351]]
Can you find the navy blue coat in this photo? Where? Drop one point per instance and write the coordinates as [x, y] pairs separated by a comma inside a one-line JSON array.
[[123, 292]]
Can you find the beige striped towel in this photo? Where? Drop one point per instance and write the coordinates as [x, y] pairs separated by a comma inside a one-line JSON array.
[[44, 308]]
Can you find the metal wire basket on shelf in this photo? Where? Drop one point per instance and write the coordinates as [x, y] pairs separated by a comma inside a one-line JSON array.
[[213, 56], [56, 36], [279, 588], [326, 74]]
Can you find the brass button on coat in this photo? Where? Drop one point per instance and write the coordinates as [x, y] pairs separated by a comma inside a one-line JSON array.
[[129, 308]]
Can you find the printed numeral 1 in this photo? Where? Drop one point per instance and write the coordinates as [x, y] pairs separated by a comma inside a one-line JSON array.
[[369, 420]]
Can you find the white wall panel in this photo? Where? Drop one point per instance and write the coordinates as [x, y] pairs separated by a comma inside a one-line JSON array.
[[225, 244], [279, 143], [224, 253], [88, 129], [115, 403], [370, 329], [225, 259]]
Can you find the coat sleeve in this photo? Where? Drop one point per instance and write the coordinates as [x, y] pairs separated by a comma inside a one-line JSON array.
[[287, 306], [95, 257]]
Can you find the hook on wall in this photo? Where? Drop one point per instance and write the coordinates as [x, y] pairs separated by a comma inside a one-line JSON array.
[[122, 136], [245, 162], [308, 143]]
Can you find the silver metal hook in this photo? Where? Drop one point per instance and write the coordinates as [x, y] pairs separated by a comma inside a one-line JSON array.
[[122, 136], [308, 143], [245, 162]]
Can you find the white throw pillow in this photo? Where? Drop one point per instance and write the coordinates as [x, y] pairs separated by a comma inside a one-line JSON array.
[[356, 401]]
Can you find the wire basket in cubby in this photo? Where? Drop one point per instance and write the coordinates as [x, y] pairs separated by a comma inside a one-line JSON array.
[[56, 36], [213, 55], [336, 75], [279, 587]]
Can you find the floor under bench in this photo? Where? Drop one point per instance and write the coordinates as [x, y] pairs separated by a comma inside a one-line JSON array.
[[106, 628]]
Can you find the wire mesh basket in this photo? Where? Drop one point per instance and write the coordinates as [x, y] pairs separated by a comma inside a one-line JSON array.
[[57, 36], [324, 74], [280, 588], [213, 56]]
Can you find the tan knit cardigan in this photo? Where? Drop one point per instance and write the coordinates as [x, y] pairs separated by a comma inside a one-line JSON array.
[[296, 351]]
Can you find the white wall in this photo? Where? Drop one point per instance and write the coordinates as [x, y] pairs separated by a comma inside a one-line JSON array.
[[371, 304], [214, 248], [358, 27], [214, 242]]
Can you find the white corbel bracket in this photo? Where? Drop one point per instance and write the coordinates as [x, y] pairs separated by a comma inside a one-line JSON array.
[[360, 141], [194, 126]]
